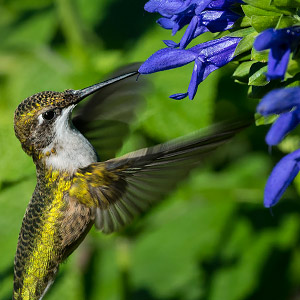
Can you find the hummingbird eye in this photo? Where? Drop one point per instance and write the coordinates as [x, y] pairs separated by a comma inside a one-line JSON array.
[[48, 115]]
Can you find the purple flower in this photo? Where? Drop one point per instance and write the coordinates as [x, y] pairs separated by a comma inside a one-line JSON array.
[[199, 15], [208, 20], [281, 177], [286, 103], [207, 57], [281, 43], [168, 8]]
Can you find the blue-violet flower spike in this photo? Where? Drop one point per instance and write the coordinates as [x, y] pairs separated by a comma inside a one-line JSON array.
[[207, 56]]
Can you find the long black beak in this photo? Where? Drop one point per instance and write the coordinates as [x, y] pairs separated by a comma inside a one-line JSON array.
[[83, 93]]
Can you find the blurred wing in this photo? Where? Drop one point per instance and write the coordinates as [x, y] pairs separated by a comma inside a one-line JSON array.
[[122, 188], [104, 119]]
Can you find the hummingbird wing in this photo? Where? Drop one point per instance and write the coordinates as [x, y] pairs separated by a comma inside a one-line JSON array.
[[104, 119], [123, 187]]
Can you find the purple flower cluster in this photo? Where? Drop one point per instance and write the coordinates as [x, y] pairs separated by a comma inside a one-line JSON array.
[[284, 102], [200, 16]]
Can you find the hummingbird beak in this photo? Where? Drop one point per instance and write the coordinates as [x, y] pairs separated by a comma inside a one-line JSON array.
[[83, 93]]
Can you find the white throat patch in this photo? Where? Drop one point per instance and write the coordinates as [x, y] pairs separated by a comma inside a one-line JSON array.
[[72, 149]]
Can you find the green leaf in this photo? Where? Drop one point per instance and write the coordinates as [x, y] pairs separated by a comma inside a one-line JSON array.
[[289, 144], [245, 44], [288, 3], [242, 71], [266, 5], [261, 23], [251, 11], [243, 22], [262, 120], [287, 21], [258, 77], [246, 56], [241, 33], [261, 56], [293, 67]]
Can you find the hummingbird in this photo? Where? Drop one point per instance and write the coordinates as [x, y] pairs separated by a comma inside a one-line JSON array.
[[79, 182]]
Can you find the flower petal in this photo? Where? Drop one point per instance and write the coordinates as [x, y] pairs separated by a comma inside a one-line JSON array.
[[277, 63], [171, 43], [218, 20], [166, 23], [165, 59], [264, 40], [281, 177], [189, 33], [197, 76], [222, 52], [285, 123], [202, 5], [209, 68], [180, 21], [220, 4], [280, 38], [218, 52], [178, 96], [199, 30], [279, 101], [165, 7]]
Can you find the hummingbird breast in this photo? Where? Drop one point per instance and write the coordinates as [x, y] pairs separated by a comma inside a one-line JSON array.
[[53, 226]]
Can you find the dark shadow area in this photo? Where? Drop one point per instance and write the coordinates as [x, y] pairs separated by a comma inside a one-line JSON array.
[[124, 23], [262, 218], [274, 280], [144, 294], [231, 104]]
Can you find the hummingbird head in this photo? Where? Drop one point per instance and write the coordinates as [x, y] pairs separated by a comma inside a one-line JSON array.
[[44, 118], [36, 115]]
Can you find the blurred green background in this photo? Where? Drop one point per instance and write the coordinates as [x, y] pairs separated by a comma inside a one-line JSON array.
[[211, 238]]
